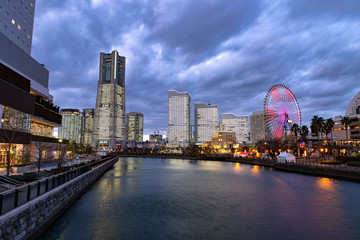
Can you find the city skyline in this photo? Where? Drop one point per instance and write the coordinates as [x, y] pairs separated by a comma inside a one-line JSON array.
[[230, 59]]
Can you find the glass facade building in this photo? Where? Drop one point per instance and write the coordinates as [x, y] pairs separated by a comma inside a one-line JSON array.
[[179, 123]]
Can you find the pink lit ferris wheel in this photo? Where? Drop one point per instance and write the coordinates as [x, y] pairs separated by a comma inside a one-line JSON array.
[[281, 110]]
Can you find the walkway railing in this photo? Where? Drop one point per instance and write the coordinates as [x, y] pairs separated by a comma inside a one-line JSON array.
[[13, 198]]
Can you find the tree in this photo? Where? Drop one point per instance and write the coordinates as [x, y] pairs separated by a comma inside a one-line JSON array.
[[61, 158], [40, 147], [317, 126], [304, 132], [346, 121], [8, 139], [328, 126], [295, 128]]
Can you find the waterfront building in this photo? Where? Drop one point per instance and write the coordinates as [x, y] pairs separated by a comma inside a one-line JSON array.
[[179, 125], [237, 124], [135, 126], [257, 126], [17, 21], [206, 121], [109, 124], [354, 106], [71, 125], [28, 115], [224, 142], [87, 126]]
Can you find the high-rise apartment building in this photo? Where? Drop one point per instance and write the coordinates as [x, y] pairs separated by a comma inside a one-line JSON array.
[[206, 121], [87, 126], [135, 126], [109, 125], [179, 123], [71, 125], [257, 126], [16, 22], [237, 124]]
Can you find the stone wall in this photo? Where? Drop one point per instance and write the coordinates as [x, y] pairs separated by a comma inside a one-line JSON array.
[[29, 220]]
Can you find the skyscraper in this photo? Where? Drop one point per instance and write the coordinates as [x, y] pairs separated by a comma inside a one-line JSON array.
[[206, 120], [16, 22], [71, 125], [237, 124], [257, 126], [179, 125], [87, 126], [135, 126], [109, 126]]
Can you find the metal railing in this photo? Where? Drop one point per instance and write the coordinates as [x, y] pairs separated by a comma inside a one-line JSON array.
[[18, 196]]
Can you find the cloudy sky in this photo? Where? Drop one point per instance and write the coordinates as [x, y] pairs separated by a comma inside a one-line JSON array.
[[225, 52]]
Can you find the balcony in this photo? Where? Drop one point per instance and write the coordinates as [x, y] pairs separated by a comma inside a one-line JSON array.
[[47, 114]]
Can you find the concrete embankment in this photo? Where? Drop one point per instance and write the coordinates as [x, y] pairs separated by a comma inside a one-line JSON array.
[[30, 219]]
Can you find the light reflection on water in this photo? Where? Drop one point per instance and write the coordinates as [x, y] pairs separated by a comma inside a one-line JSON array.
[[187, 199]]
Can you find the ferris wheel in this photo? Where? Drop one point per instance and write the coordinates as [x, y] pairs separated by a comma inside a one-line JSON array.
[[281, 110]]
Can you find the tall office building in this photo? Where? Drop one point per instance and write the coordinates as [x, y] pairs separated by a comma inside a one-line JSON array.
[[71, 125], [109, 126], [16, 22], [179, 123], [237, 124], [135, 126], [206, 120], [87, 126], [257, 126]]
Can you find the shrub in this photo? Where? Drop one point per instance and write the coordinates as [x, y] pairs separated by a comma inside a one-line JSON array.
[[354, 163], [347, 158], [331, 162]]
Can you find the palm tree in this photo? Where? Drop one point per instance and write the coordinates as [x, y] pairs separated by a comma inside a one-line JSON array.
[[346, 121], [304, 132], [296, 130], [328, 126], [314, 125]]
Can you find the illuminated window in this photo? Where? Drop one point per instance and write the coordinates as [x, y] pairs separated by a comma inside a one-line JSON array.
[[28, 36], [32, 4], [19, 27], [13, 21]]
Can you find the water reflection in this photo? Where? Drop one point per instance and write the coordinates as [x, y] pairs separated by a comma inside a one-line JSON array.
[[237, 167], [326, 184]]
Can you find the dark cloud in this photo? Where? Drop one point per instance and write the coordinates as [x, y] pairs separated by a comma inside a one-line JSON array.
[[324, 8], [228, 53]]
